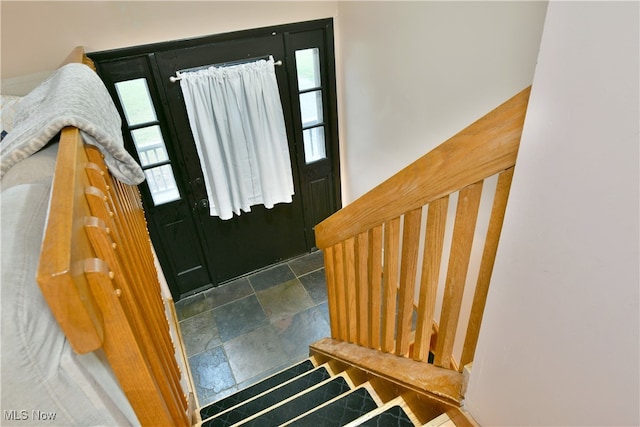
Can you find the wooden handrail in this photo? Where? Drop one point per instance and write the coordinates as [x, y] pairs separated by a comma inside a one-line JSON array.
[[484, 148], [97, 274], [77, 56], [64, 248], [375, 275]]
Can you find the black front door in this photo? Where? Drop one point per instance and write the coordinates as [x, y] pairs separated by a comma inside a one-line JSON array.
[[253, 239], [197, 250]]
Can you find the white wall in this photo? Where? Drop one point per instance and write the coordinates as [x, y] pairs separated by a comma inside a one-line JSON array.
[[415, 73], [410, 74], [38, 35], [559, 343]]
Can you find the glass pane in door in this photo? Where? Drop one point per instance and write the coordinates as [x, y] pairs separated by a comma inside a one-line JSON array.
[[136, 101], [308, 68], [314, 147], [162, 184], [311, 108], [150, 145]]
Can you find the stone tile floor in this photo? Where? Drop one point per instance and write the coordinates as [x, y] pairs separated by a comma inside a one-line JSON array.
[[245, 330]]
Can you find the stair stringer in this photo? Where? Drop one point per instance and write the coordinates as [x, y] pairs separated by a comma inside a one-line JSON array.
[[438, 383], [426, 391], [363, 386]]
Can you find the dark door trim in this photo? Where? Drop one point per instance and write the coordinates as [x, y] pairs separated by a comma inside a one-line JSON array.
[[314, 189], [121, 53]]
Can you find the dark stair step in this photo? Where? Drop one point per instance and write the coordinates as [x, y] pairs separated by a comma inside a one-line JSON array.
[[301, 403], [392, 417], [256, 389], [275, 396], [340, 411]]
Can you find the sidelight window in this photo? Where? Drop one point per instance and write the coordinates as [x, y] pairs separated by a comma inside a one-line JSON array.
[[144, 127], [311, 104], [150, 145], [136, 101]]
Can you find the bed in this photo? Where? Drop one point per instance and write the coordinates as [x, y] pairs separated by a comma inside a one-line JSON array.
[[89, 331]]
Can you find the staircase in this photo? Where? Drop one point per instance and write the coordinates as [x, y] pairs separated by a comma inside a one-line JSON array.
[[321, 391], [402, 335]]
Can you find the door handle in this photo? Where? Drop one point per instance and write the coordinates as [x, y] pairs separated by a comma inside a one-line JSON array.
[[202, 203]]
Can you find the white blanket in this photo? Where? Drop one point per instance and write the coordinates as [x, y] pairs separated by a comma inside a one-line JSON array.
[[72, 96]]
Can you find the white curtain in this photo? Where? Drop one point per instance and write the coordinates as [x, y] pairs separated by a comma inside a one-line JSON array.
[[238, 126]]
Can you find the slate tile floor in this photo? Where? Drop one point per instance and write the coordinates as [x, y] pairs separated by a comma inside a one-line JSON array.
[[243, 331]]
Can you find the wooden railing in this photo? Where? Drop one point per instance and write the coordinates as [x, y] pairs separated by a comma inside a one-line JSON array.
[[98, 276], [97, 273], [384, 252]]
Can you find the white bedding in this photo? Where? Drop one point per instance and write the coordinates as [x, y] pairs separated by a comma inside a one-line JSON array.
[[73, 95], [41, 376]]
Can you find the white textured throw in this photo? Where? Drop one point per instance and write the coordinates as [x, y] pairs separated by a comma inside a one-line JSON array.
[[73, 95]]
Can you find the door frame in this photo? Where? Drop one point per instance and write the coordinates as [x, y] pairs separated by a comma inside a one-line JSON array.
[[148, 51]]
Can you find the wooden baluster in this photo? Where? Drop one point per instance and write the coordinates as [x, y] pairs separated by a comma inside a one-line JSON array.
[[137, 241], [341, 303], [96, 179], [99, 205], [486, 266], [332, 297], [350, 290], [122, 352], [150, 286], [145, 297], [129, 215], [132, 308], [390, 282], [375, 286], [123, 200], [408, 272], [135, 299], [362, 288], [464, 228], [432, 257], [130, 199]]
